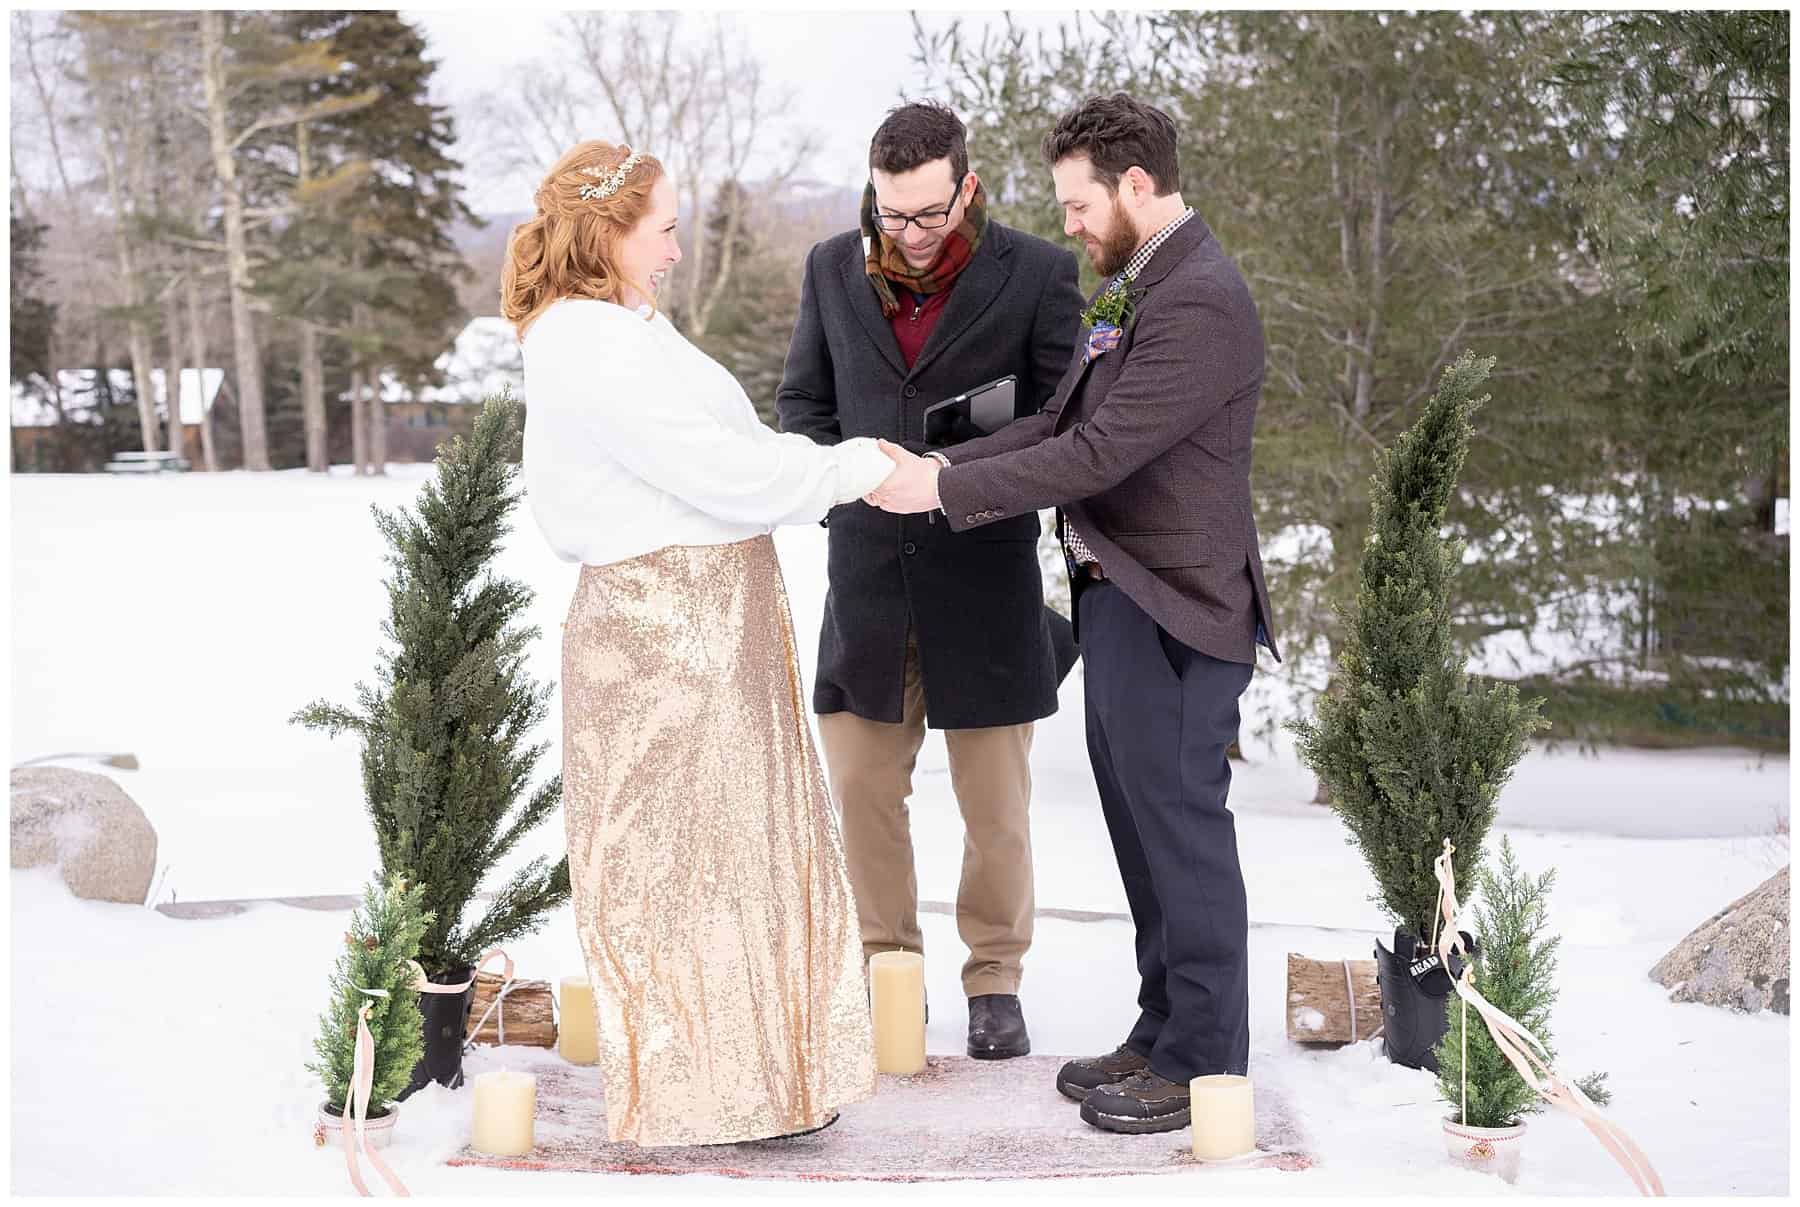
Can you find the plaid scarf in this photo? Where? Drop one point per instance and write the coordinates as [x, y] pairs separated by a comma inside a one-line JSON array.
[[887, 266]]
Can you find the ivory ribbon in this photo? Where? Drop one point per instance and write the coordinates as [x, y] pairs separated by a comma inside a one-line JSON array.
[[362, 1071], [362, 1075], [506, 986], [1517, 1044]]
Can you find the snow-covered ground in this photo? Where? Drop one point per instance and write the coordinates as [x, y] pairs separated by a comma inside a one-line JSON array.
[[185, 618]]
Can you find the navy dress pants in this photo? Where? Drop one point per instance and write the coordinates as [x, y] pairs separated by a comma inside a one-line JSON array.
[[1160, 716]]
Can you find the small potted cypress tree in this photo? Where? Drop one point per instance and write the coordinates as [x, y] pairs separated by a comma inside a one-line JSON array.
[[1516, 973], [378, 952], [446, 758], [1410, 748]]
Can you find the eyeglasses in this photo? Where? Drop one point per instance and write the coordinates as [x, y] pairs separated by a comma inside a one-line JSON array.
[[930, 220]]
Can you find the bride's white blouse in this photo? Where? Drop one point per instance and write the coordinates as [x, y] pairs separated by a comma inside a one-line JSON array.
[[635, 440]]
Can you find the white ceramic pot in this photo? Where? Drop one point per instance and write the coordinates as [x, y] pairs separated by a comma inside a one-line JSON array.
[[1490, 1149], [377, 1132]]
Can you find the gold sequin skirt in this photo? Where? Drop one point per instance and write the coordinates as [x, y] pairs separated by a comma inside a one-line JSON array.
[[711, 897]]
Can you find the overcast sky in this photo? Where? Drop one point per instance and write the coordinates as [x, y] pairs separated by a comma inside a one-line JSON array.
[[845, 69]]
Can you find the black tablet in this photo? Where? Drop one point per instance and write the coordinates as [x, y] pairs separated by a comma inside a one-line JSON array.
[[989, 407]]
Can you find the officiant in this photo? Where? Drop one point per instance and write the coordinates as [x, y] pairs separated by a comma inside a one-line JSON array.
[[925, 627]]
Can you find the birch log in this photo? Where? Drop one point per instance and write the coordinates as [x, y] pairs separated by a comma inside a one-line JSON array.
[[1320, 999], [528, 1009]]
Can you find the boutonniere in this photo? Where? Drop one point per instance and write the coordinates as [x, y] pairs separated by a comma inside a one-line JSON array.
[[1106, 318]]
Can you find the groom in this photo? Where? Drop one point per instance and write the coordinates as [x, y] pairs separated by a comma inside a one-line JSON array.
[[1145, 445]]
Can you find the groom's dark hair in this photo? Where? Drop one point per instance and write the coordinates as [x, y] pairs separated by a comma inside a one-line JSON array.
[[917, 133], [1115, 132]]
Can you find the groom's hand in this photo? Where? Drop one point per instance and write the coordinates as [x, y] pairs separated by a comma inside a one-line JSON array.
[[912, 487]]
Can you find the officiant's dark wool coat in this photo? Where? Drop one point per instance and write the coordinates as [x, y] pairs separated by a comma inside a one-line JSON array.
[[974, 599]]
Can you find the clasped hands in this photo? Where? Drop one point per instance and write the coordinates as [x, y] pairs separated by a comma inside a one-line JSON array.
[[911, 487]]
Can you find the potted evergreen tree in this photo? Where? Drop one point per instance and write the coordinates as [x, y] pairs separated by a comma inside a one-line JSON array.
[[1516, 973], [446, 758], [378, 955], [1410, 748]]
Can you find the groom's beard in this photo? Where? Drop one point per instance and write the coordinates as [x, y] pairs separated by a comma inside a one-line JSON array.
[[1114, 251]]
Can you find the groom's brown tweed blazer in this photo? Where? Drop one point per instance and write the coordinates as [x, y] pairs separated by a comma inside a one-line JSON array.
[[1147, 450]]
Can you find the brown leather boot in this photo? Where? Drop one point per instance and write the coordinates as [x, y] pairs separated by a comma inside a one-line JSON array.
[[1079, 1077], [1143, 1102]]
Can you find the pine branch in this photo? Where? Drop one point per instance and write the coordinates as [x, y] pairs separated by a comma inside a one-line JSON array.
[[447, 755]]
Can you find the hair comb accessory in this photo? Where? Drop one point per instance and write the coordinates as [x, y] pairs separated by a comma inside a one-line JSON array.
[[611, 180]]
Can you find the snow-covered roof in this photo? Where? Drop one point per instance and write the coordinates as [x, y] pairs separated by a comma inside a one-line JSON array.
[[32, 407], [484, 358]]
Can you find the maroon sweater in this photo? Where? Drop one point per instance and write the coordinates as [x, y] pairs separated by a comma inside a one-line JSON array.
[[913, 322]]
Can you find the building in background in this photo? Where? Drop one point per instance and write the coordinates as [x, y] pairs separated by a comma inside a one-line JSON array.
[[77, 445], [483, 360]]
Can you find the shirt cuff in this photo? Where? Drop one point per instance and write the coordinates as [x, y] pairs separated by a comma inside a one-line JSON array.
[[944, 463]]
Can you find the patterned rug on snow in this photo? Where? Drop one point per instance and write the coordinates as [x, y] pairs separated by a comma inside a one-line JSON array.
[[959, 1119]]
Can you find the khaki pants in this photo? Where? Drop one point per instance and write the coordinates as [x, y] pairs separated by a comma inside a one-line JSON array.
[[870, 765]]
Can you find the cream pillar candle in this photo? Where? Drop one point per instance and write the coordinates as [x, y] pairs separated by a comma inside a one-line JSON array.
[[505, 1107], [1224, 1116], [575, 1037], [897, 999]]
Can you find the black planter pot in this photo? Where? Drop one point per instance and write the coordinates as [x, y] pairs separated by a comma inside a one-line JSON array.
[[446, 1021], [1415, 992]]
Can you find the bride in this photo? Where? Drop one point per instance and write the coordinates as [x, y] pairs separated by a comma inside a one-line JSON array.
[[711, 899]]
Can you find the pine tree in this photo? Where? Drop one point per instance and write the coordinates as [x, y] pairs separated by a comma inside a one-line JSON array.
[[33, 317], [392, 259], [1516, 973], [1696, 233], [382, 940], [1414, 148], [751, 312], [1411, 750], [445, 758]]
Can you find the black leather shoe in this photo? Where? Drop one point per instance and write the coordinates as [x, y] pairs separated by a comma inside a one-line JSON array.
[[1078, 1078], [1142, 1102], [997, 1027]]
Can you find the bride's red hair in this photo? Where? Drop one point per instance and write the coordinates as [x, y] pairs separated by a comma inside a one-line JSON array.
[[566, 249]]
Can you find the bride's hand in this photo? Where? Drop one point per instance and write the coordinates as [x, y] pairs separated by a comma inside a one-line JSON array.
[[898, 457], [912, 487]]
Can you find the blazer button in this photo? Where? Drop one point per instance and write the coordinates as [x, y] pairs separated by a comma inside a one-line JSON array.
[[968, 519], [911, 548], [912, 391]]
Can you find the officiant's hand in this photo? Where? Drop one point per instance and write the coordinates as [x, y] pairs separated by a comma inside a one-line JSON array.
[[912, 487]]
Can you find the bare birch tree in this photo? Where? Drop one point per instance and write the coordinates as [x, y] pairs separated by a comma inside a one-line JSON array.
[[696, 98], [238, 106], [121, 130]]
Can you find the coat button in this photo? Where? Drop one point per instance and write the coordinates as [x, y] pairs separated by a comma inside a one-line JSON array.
[[912, 391], [968, 519], [910, 547]]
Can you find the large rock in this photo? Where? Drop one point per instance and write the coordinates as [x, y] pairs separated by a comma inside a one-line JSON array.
[[1738, 958], [88, 826]]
